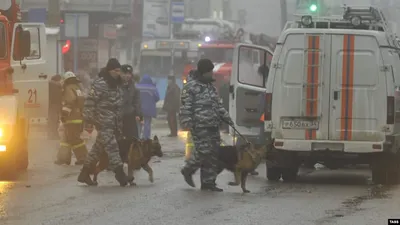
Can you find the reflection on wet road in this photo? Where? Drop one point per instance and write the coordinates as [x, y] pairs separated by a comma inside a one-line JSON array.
[[49, 195]]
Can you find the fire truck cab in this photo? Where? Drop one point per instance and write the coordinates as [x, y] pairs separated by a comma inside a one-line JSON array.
[[23, 86]]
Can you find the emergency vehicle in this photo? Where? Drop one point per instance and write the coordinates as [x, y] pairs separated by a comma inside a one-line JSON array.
[[156, 59], [330, 97], [23, 85], [220, 52]]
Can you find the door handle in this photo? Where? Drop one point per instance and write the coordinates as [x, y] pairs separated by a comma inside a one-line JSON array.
[[335, 95], [42, 76], [251, 110], [231, 88]]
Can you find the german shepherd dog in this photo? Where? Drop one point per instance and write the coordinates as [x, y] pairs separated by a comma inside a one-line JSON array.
[[241, 160], [139, 155]]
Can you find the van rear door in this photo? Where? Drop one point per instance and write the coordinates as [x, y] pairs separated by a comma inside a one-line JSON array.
[[300, 95], [358, 84], [247, 87]]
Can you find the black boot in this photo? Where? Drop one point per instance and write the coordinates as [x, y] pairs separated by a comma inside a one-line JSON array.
[[84, 177], [210, 187], [120, 176], [188, 178], [254, 173], [79, 162]]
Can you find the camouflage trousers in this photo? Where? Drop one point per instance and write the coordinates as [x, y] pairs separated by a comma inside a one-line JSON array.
[[105, 141], [205, 155]]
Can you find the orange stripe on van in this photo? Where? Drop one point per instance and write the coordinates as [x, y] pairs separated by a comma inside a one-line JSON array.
[[312, 81], [346, 122]]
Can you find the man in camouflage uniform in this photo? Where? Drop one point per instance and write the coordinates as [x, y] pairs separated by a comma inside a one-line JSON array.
[[201, 113], [103, 108], [71, 117]]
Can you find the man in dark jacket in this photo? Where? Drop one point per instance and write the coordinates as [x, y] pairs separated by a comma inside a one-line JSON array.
[[103, 108], [131, 111], [55, 103], [149, 97], [171, 105]]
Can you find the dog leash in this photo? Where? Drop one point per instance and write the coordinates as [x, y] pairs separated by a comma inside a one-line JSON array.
[[236, 132]]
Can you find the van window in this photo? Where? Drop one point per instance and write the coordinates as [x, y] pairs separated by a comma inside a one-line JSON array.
[[251, 70], [3, 42], [35, 43]]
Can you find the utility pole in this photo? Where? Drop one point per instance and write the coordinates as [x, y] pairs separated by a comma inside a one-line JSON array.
[[283, 13], [53, 12]]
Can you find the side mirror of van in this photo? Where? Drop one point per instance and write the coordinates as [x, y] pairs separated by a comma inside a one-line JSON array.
[[25, 44]]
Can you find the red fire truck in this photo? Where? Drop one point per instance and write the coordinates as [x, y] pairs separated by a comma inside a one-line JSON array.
[[23, 85], [220, 52]]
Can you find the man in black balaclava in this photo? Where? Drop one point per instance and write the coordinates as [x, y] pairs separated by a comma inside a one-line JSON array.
[[103, 108]]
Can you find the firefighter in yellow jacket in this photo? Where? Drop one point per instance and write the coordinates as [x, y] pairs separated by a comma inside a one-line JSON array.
[[72, 120]]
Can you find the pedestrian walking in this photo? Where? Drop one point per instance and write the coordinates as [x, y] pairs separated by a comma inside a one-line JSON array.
[[149, 97], [171, 105]]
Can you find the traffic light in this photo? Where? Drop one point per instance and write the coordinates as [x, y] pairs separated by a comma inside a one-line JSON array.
[[66, 47], [313, 7]]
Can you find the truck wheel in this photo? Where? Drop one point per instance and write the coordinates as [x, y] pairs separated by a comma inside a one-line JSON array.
[[289, 174], [22, 159], [273, 173], [9, 170]]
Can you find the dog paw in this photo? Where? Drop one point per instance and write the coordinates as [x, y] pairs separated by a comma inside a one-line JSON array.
[[233, 184], [132, 183], [246, 191], [151, 179], [95, 183]]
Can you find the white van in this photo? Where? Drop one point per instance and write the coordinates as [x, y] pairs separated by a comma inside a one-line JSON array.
[[330, 96]]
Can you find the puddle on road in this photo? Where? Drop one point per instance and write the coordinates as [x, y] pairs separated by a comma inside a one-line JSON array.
[[352, 205]]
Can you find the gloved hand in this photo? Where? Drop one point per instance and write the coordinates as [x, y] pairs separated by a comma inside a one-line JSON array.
[[92, 123], [64, 115], [186, 127]]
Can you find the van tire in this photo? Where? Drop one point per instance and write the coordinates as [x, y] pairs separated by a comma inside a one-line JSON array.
[[274, 173], [386, 170], [289, 174]]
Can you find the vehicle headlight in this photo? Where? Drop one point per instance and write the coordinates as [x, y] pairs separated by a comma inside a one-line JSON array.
[[3, 148], [184, 81]]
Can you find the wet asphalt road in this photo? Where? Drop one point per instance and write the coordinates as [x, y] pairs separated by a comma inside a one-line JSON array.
[[49, 195]]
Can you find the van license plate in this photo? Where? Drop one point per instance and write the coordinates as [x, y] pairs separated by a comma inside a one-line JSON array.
[[300, 124]]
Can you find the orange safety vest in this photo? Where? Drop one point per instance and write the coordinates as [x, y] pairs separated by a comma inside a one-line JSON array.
[[262, 118]]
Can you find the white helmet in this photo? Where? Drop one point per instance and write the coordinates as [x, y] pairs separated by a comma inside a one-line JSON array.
[[68, 75]]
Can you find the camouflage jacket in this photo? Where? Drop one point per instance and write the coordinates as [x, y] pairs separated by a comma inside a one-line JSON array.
[[201, 106], [103, 105]]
